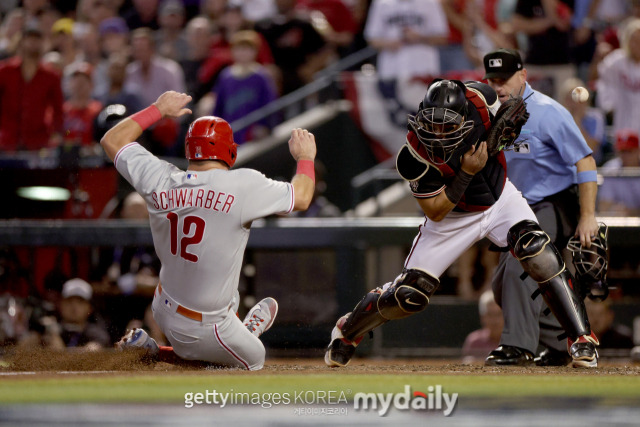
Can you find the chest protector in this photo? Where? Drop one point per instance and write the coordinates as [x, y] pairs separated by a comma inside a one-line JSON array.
[[486, 186]]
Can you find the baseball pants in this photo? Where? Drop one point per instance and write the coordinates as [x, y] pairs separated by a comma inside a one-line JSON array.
[[219, 338], [439, 244]]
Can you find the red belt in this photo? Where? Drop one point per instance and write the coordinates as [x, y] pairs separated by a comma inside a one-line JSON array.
[[186, 312]]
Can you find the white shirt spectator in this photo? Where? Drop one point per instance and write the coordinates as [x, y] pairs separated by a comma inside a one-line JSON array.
[[164, 74], [387, 21]]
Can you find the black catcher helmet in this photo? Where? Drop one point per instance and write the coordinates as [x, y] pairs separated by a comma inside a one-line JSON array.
[[592, 263], [108, 117], [441, 123]]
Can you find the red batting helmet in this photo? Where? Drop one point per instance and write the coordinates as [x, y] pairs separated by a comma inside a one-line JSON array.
[[210, 138]]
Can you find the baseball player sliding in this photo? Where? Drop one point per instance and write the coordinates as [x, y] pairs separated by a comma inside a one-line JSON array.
[[456, 168], [200, 221]]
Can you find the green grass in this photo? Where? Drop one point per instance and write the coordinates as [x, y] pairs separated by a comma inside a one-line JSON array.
[[146, 388]]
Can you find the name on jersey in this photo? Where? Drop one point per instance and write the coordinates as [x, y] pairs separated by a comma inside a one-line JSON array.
[[190, 197]]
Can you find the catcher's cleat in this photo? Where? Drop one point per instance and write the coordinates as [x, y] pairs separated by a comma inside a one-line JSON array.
[[138, 338], [261, 316], [340, 350], [507, 355], [551, 357], [583, 352]]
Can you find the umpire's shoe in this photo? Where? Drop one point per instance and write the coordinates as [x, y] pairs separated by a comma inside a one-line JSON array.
[[552, 357], [583, 352], [340, 350], [507, 355]]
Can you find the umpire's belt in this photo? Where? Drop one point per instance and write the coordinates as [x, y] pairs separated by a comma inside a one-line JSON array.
[[186, 312]]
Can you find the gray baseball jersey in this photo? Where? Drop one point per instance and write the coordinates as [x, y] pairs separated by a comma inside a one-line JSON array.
[[200, 222]]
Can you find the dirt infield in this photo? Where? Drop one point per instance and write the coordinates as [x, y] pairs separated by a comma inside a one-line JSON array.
[[47, 361]]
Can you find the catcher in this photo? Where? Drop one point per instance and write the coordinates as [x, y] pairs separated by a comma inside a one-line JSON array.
[[454, 161]]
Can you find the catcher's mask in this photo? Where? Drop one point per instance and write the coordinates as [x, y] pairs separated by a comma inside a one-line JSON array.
[[592, 263], [440, 123], [211, 138]]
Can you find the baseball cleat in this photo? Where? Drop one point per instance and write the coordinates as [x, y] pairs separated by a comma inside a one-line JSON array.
[[507, 355], [261, 316], [583, 352], [552, 357], [138, 338], [340, 350]]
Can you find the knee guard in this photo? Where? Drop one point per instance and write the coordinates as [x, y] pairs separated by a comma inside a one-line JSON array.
[[533, 248], [409, 294], [542, 261]]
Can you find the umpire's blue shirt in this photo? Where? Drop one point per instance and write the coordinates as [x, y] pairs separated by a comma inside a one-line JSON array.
[[551, 144]]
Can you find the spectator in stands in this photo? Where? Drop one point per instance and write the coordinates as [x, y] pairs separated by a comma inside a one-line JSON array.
[[214, 9], [116, 93], [547, 25], [89, 44], [150, 75], [93, 12], [78, 327], [484, 31], [10, 32], [14, 278], [333, 20], [244, 87], [63, 40], [406, 34], [199, 36], [142, 14], [298, 49], [80, 110], [30, 97], [258, 10], [482, 341], [114, 38], [170, 38], [591, 121], [619, 80], [602, 319], [619, 195], [230, 22], [452, 54]]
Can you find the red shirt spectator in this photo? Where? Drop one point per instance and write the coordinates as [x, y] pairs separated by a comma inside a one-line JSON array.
[[80, 110], [78, 122], [30, 110]]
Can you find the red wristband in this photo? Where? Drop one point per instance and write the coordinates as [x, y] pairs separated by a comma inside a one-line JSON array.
[[147, 117], [305, 167]]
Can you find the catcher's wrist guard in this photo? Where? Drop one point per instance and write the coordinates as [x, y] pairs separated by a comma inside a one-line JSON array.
[[458, 186], [506, 125]]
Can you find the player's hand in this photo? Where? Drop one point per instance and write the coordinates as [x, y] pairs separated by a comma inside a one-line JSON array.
[[171, 104], [474, 160], [587, 230], [302, 145]]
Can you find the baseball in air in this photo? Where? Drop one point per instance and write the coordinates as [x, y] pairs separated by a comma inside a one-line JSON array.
[[580, 94]]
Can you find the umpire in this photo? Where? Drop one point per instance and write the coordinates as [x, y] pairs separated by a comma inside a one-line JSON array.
[[556, 173]]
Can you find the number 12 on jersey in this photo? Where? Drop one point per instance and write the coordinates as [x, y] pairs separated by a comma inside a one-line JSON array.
[[186, 238]]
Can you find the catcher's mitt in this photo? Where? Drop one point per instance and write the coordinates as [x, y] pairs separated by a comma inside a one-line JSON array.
[[506, 126]]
